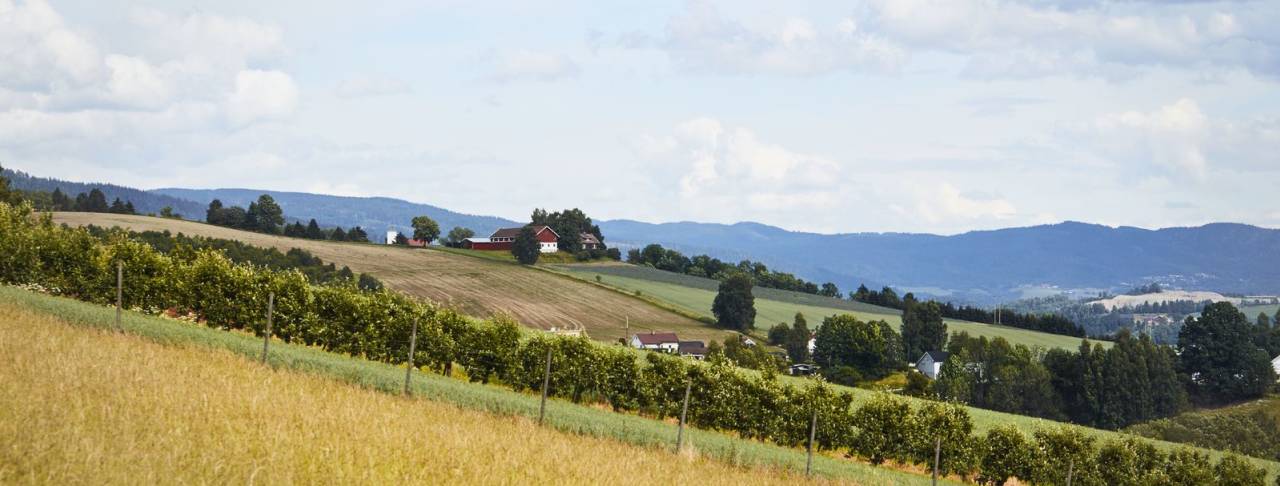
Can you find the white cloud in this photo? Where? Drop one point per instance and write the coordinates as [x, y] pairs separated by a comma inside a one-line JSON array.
[[942, 202], [701, 39], [525, 64], [1012, 39], [261, 95], [365, 86]]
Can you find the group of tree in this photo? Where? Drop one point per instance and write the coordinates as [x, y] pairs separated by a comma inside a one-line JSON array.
[[794, 339], [850, 350], [670, 260], [1047, 322], [263, 215], [313, 231], [570, 224], [1225, 357], [457, 235], [375, 325], [94, 201]]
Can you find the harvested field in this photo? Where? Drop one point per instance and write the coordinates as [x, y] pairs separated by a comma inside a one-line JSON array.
[[477, 286]]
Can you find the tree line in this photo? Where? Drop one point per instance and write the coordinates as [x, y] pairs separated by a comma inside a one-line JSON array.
[[265, 216], [375, 324], [1047, 322], [705, 266], [313, 231]]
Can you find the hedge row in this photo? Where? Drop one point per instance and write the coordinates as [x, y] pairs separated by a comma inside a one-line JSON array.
[[375, 324]]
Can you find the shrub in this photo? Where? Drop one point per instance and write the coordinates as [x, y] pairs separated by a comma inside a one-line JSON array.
[[1005, 454]]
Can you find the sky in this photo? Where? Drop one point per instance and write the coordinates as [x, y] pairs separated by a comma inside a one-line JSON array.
[[855, 116]]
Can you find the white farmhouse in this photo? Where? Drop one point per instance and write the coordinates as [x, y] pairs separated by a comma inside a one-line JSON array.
[[391, 236], [1275, 363], [665, 342], [931, 363]]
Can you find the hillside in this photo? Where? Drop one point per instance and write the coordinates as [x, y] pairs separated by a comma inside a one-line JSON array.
[[151, 413], [987, 266], [476, 286], [375, 214], [695, 295], [144, 201]]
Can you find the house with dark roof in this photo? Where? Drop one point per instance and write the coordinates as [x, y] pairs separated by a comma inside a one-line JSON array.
[[590, 242], [931, 363], [665, 342], [505, 238], [693, 349]]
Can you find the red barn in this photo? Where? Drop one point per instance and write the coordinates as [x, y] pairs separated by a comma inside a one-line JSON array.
[[503, 239]]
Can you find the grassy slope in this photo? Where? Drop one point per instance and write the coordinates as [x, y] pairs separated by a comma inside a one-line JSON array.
[[695, 295], [585, 420], [565, 416], [477, 286]]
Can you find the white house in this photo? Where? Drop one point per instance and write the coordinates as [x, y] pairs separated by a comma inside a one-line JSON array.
[[931, 363], [391, 236], [1275, 363], [665, 342]]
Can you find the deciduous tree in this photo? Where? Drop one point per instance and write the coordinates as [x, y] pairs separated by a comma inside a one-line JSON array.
[[734, 305], [425, 229], [526, 247]]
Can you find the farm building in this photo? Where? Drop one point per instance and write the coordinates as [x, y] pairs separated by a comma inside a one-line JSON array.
[[505, 238], [802, 369], [931, 363], [392, 235], [693, 349], [590, 242], [666, 342]]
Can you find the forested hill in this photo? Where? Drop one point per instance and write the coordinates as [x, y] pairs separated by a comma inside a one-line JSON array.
[[1221, 256], [374, 214], [143, 201]]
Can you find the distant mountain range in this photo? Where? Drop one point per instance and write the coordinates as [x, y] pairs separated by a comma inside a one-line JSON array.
[[977, 267], [144, 202]]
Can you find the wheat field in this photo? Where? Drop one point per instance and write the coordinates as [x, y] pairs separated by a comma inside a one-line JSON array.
[[83, 405]]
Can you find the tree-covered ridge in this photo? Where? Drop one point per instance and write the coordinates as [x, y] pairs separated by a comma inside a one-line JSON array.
[[41, 189], [266, 216]]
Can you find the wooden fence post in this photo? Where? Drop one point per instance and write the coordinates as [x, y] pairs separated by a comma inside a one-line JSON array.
[[119, 294], [813, 429], [408, 369], [546, 382], [266, 336], [684, 410], [937, 457], [1071, 467]]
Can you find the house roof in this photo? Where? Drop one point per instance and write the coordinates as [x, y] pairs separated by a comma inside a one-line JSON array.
[[588, 238], [693, 347], [936, 356], [656, 338], [514, 232]]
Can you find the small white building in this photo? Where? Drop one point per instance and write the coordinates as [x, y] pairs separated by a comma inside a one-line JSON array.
[[391, 236], [931, 363], [1275, 363], [665, 342]]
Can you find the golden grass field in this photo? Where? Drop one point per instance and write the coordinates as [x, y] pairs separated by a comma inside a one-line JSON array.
[[81, 406], [476, 286]]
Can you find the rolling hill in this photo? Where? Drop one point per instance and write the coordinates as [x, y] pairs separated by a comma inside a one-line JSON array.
[[144, 201]]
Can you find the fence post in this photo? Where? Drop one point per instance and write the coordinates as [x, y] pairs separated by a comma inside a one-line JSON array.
[[684, 410], [1071, 466], [546, 382], [266, 336], [413, 341], [119, 293], [813, 429], [937, 457]]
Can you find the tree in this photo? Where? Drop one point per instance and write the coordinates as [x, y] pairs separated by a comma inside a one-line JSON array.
[[425, 229], [1217, 352], [295, 230], [884, 425], [129, 209], [9, 196], [167, 212], [1233, 469], [338, 234], [922, 329], [797, 340], [265, 216], [1007, 454], [829, 290], [117, 207], [401, 240], [569, 224], [313, 231], [843, 340], [457, 234], [526, 248], [60, 200], [778, 334], [213, 215], [94, 202], [734, 306], [358, 234]]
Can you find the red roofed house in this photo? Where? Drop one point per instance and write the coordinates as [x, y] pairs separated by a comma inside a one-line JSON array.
[[666, 342], [503, 239]]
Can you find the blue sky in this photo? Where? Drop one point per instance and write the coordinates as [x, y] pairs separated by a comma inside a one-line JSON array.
[[881, 115]]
